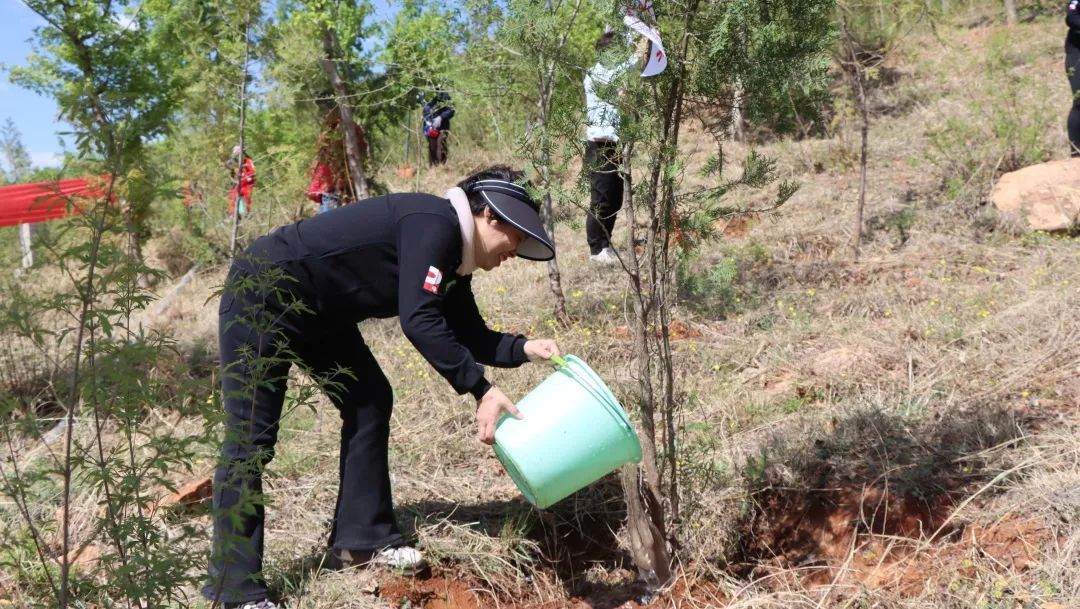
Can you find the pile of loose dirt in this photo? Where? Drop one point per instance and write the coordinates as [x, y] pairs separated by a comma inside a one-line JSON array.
[[442, 591]]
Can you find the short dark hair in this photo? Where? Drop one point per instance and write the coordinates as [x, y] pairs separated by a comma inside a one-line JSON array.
[[604, 41], [325, 101], [505, 173]]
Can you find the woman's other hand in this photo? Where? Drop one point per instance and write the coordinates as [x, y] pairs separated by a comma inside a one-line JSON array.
[[541, 349], [488, 410]]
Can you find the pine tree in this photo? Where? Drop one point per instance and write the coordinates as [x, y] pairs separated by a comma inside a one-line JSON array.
[[714, 50]]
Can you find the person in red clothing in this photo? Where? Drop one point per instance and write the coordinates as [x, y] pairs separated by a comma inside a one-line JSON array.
[[330, 185], [192, 194], [246, 182], [328, 182]]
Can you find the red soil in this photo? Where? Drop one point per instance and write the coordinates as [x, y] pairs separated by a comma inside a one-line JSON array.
[[878, 538]]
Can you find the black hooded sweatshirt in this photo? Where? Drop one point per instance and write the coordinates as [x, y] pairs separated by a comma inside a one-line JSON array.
[[393, 255], [1072, 19]]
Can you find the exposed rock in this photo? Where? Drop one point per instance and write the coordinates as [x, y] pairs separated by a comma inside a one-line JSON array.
[[1047, 195], [85, 559], [679, 329], [192, 493]]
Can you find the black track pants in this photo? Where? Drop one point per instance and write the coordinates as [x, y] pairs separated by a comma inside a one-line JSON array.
[[1072, 69], [255, 365], [605, 182]]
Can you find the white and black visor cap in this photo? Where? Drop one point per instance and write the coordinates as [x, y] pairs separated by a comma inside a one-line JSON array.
[[512, 203]]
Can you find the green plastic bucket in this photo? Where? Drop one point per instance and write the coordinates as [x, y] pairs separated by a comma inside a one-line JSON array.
[[573, 433]]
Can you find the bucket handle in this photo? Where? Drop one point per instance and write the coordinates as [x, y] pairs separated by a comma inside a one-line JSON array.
[[560, 363]]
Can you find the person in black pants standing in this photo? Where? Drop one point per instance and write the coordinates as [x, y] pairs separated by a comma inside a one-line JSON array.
[[437, 114], [296, 297], [1072, 69], [602, 155]]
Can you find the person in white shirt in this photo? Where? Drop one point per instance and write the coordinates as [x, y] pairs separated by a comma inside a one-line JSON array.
[[602, 155]]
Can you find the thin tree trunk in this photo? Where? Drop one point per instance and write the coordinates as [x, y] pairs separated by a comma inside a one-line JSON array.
[[408, 137], [661, 218], [25, 242], [134, 243], [418, 145], [645, 514], [554, 276], [736, 129], [87, 298], [353, 155], [240, 165], [738, 98], [669, 410], [856, 73], [649, 284], [362, 191], [548, 215], [643, 310], [647, 544], [864, 127], [547, 92], [1010, 12]]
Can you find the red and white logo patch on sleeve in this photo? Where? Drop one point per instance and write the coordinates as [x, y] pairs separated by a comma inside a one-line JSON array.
[[433, 279]]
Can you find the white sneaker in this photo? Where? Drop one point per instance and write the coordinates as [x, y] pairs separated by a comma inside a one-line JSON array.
[[403, 558], [606, 256], [263, 604]]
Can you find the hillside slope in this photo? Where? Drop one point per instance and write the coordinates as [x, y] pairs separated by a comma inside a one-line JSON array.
[[894, 431]]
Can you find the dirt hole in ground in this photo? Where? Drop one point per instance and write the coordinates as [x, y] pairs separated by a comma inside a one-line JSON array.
[[875, 536]]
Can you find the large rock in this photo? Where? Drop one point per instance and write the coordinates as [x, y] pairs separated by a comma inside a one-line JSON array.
[[1047, 196]]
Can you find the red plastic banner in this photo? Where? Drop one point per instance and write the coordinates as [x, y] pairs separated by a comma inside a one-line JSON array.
[[29, 203]]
